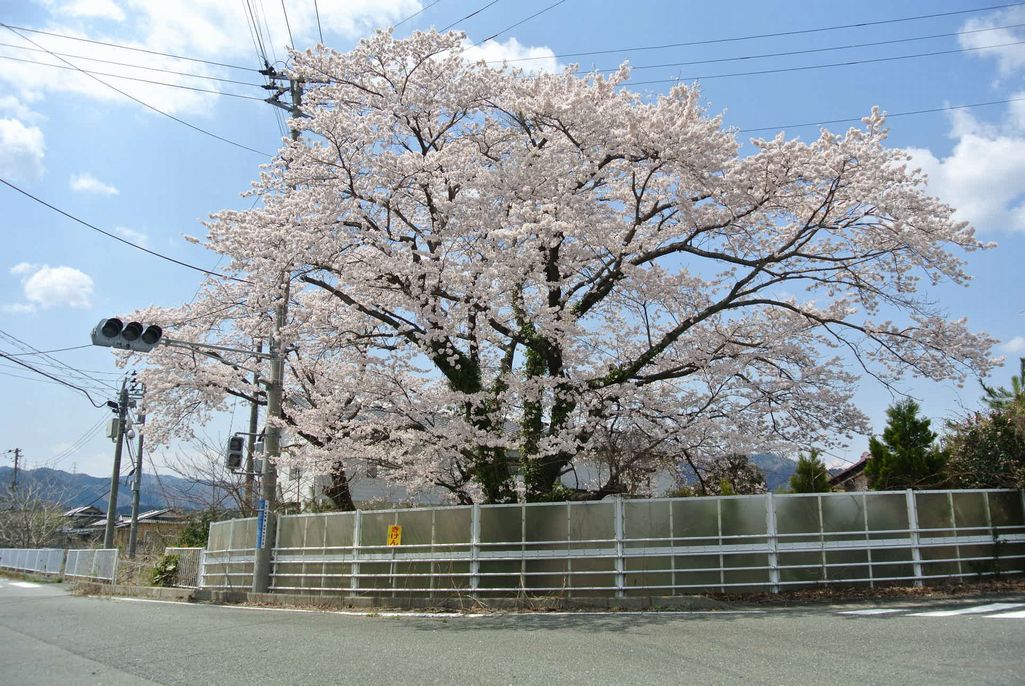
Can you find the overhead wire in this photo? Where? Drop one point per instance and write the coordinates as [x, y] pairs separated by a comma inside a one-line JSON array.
[[414, 14], [522, 21], [471, 14], [288, 26], [83, 374], [132, 48], [55, 350], [889, 115], [320, 31], [790, 53], [808, 67], [755, 36], [119, 238], [55, 378], [141, 102], [138, 79], [134, 65]]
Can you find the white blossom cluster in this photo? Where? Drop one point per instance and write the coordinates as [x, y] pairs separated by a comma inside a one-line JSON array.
[[486, 267]]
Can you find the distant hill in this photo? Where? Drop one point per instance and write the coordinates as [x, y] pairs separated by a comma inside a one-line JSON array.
[[776, 469], [74, 490]]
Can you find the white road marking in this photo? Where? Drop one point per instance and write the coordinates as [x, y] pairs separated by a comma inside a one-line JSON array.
[[874, 611], [25, 584], [973, 610], [1020, 614]]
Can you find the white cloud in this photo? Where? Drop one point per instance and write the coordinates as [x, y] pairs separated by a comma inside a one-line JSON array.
[[528, 58], [137, 237], [87, 183], [98, 9], [48, 287], [22, 149], [981, 179], [1015, 346], [12, 105], [1009, 58]]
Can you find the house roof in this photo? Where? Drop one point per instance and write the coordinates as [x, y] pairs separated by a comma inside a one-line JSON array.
[[852, 471], [83, 511]]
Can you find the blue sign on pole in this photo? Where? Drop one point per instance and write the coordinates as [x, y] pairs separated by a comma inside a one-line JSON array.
[[261, 523]]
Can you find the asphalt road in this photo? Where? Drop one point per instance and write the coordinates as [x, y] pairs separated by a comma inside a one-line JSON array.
[[50, 637]]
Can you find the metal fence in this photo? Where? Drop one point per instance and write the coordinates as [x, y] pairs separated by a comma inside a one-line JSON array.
[[190, 561], [230, 555], [41, 560], [637, 547], [100, 563]]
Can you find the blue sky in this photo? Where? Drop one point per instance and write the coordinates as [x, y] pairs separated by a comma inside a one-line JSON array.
[[98, 155]]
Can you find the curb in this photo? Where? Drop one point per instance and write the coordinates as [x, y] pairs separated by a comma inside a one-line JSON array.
[[455, 604]]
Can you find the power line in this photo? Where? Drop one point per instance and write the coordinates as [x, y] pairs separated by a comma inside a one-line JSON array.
[[132, 97], [25, 346], [130, 47], [138, 79], [118, 238], [790, 53], [55, 378], [830, 65], [288, 26], [413, 15], [888, 115], [56, 350], [777, 34], [133, 65], [320, 31], [523, 21], [77, 445], [473, 13]]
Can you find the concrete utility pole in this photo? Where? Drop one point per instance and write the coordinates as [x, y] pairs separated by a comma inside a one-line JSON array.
[[17, 462], [133, 533], [254, 422], [122, 409], [272, 439]]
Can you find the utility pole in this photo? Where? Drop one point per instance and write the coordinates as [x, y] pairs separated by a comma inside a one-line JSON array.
[[133, 533], [17, 462], [254, 421], [122, 409], [272, 440]]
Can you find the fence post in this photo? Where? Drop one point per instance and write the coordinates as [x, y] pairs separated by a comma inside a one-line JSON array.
[[201, 571], [474, 549], [357, 527], [770, 534], [620, 567], [916, 552]]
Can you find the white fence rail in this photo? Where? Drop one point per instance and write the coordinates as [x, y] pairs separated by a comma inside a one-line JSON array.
[[637, 547], [39, 560], [100, 564], [190, 561]]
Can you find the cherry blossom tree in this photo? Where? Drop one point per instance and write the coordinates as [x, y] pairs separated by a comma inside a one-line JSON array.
[[487, 269]]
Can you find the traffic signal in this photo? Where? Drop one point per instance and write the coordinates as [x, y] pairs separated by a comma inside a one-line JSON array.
[[234, 459], [113, 333]]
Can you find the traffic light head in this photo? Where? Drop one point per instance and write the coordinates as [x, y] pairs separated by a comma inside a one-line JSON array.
[[234, 457], [113, 333]]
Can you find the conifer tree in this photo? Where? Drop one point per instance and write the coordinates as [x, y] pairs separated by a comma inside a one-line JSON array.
[[811, 475], [907, 456]]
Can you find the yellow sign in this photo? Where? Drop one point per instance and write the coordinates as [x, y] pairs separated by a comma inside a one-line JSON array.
[[394, 535]]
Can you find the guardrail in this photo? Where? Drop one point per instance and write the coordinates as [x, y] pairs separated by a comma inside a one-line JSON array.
[[637, 547], [100, 564], [39, 560]]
